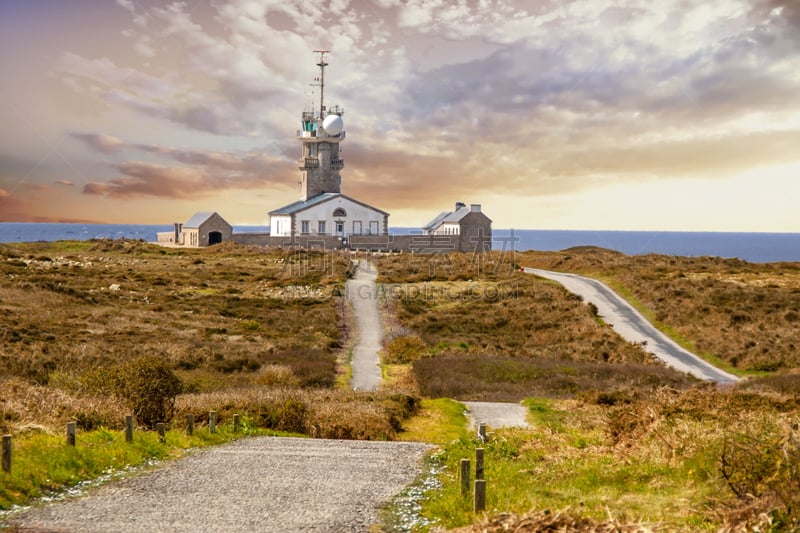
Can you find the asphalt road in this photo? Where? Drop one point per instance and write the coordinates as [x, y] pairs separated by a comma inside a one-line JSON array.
[[262, 484], [497, 414], [363, 296], [632, 326]]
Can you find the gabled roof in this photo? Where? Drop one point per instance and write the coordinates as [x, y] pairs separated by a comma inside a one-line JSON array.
[[447, 216], [199, 218], [436, 221], [302, 205]]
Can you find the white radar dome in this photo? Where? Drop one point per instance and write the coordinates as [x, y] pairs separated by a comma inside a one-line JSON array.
[[333, 124]]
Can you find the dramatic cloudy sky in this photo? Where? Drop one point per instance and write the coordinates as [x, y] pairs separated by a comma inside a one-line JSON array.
[[585, 114]]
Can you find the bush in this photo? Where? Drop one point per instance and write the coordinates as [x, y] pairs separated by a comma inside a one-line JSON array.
[[150, 387], [405, 349]]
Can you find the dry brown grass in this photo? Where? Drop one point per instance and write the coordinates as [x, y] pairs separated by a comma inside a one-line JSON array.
[[743, 313], [483, 330], [229, 320]]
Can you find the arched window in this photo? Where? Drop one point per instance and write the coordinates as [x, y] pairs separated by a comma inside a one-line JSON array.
[[339, 212]]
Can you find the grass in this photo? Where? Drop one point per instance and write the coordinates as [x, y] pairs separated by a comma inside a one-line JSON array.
[[439, 421], [653, 461], [744, 315]]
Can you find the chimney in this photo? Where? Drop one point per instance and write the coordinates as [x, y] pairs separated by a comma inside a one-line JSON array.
[[475, 208], [459, 205]]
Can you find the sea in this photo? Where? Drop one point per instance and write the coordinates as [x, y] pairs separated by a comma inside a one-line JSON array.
[[752, 247]]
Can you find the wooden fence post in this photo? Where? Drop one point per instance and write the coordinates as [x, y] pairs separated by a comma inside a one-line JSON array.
[[480, 495], [212, 422], [478, 463], [162, 436], [71, 433], [190, 424], [482, 431], [236, 423], [464, 477], [128, 428], [7, 453]]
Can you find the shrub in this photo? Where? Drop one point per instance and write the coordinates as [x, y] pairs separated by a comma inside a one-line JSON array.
[[404, 349], [150, 387]]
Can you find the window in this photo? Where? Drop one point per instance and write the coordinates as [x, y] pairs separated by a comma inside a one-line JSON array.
[[304, 227], [339, 212], [321, 227], [374, 227], [357, 227]]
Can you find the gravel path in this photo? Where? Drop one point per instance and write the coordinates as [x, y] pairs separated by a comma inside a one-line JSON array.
[[632, 326], [363, 295], [497, 415], [260, 484]]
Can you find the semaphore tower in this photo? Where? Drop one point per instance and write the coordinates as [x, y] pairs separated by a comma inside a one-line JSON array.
[[322, 131]]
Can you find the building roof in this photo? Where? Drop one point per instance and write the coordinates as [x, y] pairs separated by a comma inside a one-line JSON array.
[[302, 205], [447, 216], [199, 218]]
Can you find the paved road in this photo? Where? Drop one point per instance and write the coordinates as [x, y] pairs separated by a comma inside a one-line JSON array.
[[363, 295], [262, 484], [497, 414], [632, 326]]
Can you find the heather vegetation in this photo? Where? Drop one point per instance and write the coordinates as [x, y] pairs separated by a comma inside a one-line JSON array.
[[617, 440], [744, 314], [480, 329], [93, 331]]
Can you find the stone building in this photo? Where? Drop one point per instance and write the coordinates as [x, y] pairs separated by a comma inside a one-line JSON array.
[[470, 228], [202, 229], [322, 209]]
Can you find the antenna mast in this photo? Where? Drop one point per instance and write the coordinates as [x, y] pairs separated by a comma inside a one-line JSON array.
[[322, 64]]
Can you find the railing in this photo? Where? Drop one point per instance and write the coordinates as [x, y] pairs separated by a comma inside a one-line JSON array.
[[308, 162], [337, 164]]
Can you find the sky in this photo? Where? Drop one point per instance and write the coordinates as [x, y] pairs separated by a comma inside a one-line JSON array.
[[656, 115]]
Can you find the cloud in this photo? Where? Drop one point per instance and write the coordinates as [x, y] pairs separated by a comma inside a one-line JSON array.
[[4, 195], [65, 183], [106, 144]]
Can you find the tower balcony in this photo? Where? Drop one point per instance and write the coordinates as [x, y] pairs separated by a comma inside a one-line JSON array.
[[308, 162], [337, 164]]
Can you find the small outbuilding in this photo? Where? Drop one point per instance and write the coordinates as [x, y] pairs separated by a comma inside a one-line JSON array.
[[202, 229], [469, 223]]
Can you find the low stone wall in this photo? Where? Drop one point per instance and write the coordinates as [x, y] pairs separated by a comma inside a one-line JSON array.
[[422, 244]]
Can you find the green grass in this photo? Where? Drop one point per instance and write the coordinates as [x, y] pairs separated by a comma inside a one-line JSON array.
[[564, 463], [42, 464], [438, 421]]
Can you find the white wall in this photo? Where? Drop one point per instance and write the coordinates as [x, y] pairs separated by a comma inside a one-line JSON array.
[[324, 212], [280, 225]]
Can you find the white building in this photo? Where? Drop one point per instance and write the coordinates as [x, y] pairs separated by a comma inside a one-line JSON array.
[[328, 213], [322, 208]]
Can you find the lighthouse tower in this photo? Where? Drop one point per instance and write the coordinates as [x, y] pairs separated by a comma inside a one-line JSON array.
[[323, 212], [322, 131]]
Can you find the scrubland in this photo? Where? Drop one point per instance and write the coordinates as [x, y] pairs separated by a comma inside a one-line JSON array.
[[619, 442], [617, 439]]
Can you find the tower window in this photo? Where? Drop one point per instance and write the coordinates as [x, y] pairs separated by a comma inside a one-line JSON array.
[[339, 212]]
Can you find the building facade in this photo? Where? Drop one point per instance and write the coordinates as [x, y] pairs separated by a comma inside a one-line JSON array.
[[202, 229]]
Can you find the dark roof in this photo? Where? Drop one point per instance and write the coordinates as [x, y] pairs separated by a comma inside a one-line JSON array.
[[302, 205]]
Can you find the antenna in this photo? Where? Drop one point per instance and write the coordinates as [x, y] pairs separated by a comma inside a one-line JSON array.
[[322, 64]]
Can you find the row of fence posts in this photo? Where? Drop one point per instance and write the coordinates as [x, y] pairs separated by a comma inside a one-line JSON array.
[[479, 495], [160, 429]]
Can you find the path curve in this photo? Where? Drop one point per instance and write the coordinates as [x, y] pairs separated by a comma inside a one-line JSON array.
[[363, 296], [632, 326], [264, 484], [497, 414]]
